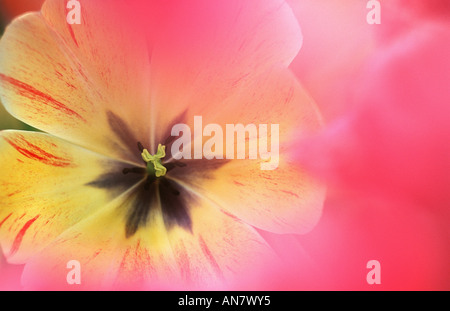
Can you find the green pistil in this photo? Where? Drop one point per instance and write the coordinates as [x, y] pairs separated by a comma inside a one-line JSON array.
[[154, 166]]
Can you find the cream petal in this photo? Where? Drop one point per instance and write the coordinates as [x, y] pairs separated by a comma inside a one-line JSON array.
[[47, 186]]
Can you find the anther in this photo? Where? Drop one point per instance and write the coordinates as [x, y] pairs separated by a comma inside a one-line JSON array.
[[154, 165]]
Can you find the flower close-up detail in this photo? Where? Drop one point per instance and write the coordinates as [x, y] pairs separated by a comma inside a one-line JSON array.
[[224, 145], [99, 183]]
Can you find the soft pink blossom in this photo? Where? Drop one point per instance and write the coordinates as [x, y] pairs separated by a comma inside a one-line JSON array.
[[386, 160]]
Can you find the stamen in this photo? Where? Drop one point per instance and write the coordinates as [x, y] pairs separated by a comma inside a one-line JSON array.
[[154, 166]]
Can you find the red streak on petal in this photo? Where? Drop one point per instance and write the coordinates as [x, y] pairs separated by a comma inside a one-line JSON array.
[[290, 193], [210, 257], [138, 258], [72, 35], [14, 193], [238, 80], [230, 215], [35, 153], [27, 90], [289, 96], [20, 235], [143, 261], [138, 245], [265, 177], [183, 261], [5, 219], [81, 72], [123, 263]]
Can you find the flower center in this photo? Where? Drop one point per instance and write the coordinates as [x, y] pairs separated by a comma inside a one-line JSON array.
[[154, 165]]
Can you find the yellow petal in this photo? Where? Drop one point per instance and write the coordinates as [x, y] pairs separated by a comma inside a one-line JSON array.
[[213, 50], [217, 249], [107, 257], [47, 185], [283, 200], [67, 89]]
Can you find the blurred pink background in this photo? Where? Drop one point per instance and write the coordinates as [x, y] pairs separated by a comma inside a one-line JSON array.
[[384, 152]]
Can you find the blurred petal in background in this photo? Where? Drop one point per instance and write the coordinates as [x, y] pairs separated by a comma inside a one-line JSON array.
[[384, 150], [9, 9]]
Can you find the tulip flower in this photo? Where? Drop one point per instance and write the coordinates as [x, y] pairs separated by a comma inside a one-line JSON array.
[[101, 186]]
